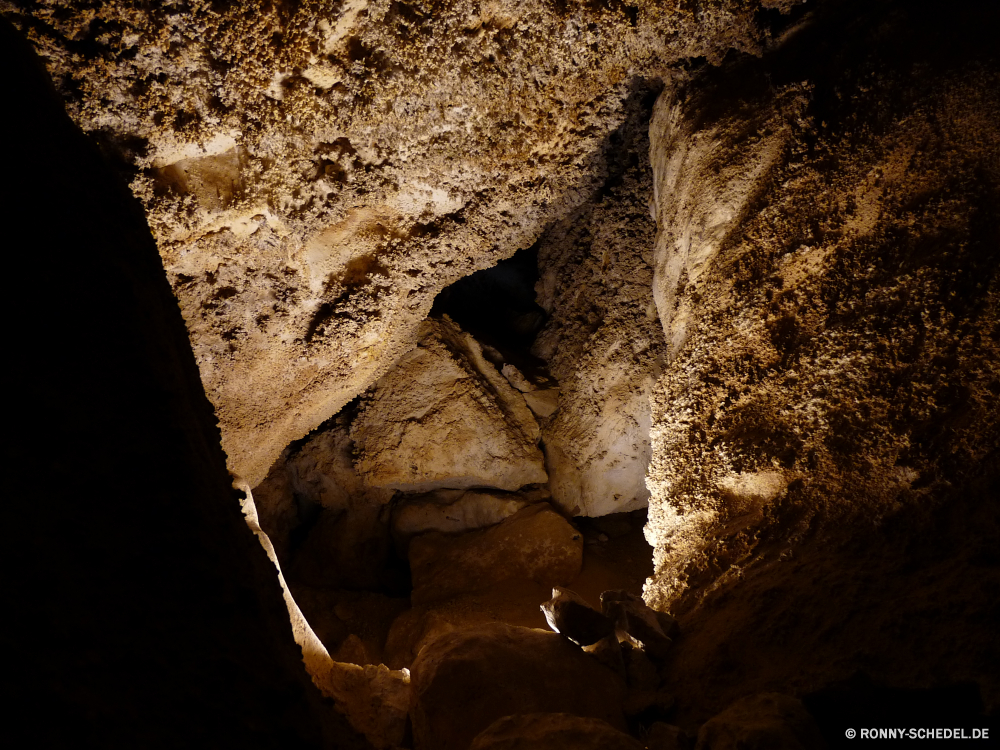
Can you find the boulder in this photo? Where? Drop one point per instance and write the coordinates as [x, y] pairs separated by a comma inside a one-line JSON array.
[[536, 543], [464, 681], [439, 512], [642, 626], [567, 613], [444, 417], [553, 732], [766, 720], [510, 602], [374, 698]]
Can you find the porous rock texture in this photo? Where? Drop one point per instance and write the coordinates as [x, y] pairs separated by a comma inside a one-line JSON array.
[[825, 431], [315, 172], [603, 341], [146, 613]]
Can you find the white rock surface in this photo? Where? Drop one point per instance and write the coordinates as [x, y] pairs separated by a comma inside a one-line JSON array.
[[472, 510], [444, 417]]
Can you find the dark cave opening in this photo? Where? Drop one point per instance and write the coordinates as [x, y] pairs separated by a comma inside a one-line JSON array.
[[497, 305]]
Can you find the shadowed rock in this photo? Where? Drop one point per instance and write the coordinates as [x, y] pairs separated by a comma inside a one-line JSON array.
[[567, 613], [552, 732]]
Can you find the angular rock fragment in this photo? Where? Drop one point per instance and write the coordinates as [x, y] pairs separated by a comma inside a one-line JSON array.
[[543, 403], [771, 720], [536, 543], [646, 628], [444, 417], [552, 732], [568, 614], [464, 681]]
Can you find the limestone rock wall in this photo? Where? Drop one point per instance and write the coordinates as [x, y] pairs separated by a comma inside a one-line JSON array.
[[603, 341], [444, 417], [315, 172], [826, 277]]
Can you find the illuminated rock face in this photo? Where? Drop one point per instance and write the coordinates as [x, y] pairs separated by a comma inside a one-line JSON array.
[[826, 276], [315, 173], [444, 417], [793, 359]]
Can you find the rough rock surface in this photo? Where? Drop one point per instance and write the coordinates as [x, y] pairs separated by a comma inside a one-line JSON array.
[[535, 543], [603, 341], [444, 417], [313, 495], [510, 671], [375, 699], [145, 611], [638, 624], [552, 732], [826, 274], [770, 720], [316, 172], [471, 510]]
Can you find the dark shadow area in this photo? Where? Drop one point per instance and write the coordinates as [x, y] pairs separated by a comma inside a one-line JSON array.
[[142, 610], [861, 703], [497, 305]]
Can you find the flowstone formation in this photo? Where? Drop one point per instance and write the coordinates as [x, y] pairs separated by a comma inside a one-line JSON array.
[[314, 173]]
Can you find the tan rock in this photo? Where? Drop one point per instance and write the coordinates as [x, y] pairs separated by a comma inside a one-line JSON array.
[[553, 732], [471, 510], [373, 172], [770, 720], [374, 698], [444, 417], [536, 543], [509, 671], [544, 403], [510, 602]]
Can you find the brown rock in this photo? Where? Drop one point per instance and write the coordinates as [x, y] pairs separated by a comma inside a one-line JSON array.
[[374, 698], [439, 512], [535, 543], [646, 628], [567, 613], [552, 732], [608, 651], [444, 417], [664, 736], [647, 706], [464, 681], [765, 720]]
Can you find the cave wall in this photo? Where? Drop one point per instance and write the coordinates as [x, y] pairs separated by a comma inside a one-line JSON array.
[[825, 430], [141, 610], [314, 173]]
